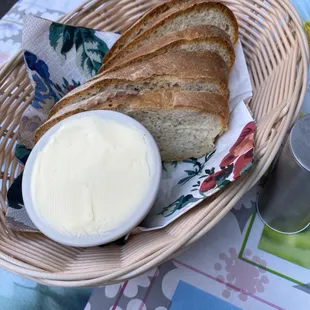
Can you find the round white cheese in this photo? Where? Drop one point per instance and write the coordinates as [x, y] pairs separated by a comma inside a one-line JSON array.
[[91, 176]]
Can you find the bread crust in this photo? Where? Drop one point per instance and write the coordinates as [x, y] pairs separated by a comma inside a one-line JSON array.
[[203, 102], [183, 10], [190, 65], [202, 34], [150, 18]]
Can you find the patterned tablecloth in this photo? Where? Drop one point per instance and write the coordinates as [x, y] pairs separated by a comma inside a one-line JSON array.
[[239, 264]]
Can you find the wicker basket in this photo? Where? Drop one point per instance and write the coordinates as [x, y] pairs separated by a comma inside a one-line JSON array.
[[276, 50]]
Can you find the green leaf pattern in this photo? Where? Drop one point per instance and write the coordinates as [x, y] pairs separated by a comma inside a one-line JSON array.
[[178, 204], [89, 48], [197, 168]]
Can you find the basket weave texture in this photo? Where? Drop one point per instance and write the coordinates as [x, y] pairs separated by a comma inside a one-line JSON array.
[[276, 50]]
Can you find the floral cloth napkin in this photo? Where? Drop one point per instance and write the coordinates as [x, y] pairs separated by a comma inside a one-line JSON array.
[[60, 57]]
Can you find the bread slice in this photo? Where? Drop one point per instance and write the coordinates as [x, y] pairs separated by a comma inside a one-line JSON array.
[[184, 124], [150, 18], [185, 65], [154, 83], [210, 13], [196, 38]]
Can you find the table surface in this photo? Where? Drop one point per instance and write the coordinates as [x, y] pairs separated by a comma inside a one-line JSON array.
[[239, 264]]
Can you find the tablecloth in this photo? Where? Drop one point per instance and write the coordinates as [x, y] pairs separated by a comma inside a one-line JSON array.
[[239, 264]]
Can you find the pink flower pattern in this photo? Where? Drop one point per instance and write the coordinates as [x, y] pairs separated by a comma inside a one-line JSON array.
[[244, 276]]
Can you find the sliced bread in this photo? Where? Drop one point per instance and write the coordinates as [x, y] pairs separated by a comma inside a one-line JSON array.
[[150, 18], [184, 65], [196, 38], [165, 82], [184, 124], [210, 13]]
